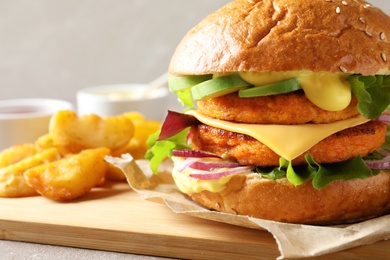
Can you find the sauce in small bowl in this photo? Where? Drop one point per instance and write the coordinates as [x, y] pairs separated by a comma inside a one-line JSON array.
[[111, 100], [25, 120]]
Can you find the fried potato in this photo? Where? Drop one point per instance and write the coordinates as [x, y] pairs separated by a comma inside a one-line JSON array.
[[137, 146], [134, 115], [16, 153], [143, 128], [70, 177], [12, 182], [44, 142], [89, 131]]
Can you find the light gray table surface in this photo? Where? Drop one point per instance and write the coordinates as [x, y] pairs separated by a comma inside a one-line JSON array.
[[12, 250]]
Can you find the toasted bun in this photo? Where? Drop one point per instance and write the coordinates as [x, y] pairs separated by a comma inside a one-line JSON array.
[[285, 35], [339, 202]]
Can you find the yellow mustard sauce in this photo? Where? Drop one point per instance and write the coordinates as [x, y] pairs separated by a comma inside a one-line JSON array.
[[329, 91]]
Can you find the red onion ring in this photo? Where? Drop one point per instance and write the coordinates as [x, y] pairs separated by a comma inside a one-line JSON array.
[[382, 164], [384, 118], [193, 153], [211, 170], [209, 166], [218, 175], [197, 164], [187, 162]]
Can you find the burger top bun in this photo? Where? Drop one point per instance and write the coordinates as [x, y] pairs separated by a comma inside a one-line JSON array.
[[281, 35]]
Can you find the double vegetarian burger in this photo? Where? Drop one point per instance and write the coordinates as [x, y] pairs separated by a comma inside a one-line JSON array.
[[285, 115]]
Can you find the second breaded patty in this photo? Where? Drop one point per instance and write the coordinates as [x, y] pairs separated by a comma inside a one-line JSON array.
[[289, 109], [341, 146]]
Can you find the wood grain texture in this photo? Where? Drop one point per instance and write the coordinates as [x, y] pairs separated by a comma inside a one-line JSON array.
[[115, 218]]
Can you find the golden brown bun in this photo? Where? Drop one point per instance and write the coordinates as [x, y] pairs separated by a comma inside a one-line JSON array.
[[339, 202], [284, 35]]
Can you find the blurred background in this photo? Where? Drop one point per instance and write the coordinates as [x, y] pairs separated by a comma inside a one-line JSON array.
[[52, 48]]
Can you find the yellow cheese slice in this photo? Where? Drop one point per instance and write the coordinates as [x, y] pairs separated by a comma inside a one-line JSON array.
[[288, 141]]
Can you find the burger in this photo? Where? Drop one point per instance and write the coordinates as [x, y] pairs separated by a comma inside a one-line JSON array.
[[285, 111]]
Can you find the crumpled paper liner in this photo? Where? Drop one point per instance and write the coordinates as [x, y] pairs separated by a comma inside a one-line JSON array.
[[294, 241]]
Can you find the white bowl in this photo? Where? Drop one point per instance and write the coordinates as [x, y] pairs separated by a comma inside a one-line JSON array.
[[111, 100], [24, 120]]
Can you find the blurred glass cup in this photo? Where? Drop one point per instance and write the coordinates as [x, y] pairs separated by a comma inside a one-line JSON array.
[[25, 120]]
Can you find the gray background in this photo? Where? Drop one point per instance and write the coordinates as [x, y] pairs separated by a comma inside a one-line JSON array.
[[52, 48]]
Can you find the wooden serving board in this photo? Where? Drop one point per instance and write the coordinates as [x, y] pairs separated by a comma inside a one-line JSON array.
[[115, 218]]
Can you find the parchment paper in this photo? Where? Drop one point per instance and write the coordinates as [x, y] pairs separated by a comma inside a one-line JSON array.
[[294, 241]]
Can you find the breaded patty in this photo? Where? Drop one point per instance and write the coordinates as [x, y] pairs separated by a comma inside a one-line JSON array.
[[292, 108], [341, 146]]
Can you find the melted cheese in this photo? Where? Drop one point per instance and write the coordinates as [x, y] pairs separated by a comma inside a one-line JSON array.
[[288, 141], [329, 91]]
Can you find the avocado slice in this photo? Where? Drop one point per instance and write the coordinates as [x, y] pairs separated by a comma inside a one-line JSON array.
[[218, 87], [183, 82], [280, 87]]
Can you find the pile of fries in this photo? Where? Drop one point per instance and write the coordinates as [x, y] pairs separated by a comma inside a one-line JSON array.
[[68, 161]]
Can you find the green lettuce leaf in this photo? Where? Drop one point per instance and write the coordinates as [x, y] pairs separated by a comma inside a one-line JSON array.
[[348, 170], [184, 97], [301, 174], [372, 92], [159, 150], [320, 174]]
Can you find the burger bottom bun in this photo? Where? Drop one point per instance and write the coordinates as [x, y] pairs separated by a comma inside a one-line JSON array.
[[338, 203]]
